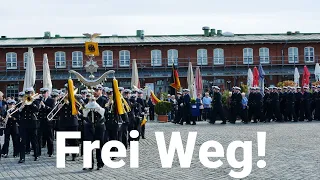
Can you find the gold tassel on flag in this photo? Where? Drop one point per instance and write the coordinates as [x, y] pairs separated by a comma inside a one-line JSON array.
[[71, 97]]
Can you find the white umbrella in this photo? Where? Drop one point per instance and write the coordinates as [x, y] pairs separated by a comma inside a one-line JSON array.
[[135, 76], [250, 79], [317, 72], [47, 83], [30, 75], [296, 76], [190, 80]]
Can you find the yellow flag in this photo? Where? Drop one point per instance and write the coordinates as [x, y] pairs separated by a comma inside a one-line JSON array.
[[91, 48]]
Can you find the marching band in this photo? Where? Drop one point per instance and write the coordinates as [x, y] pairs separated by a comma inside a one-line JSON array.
[[36, 117]]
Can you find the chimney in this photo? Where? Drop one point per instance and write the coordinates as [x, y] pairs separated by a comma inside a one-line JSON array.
[[47, 35], [206, 31], [213, 32], [140, 33], [219, 32]]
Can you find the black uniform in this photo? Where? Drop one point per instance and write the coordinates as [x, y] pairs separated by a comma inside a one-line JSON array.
[[143, 105], [276, 106], [252, 105], [46, 127], [305, 107], [236, 107], [290, 112], [28, 125], [258, 104], [217, 108], [267, 108], [317, 106], [298, 97], [282, 99], [186, 111], [123, 121], [94, 129], [68, 122], [178, 111], [111, 124], [12, 129], [134, 117]]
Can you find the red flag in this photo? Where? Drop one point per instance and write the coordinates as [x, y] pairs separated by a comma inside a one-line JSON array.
[[306, 76], [255, 77]]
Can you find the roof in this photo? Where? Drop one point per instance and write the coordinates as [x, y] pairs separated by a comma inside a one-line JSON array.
[[160, 39]]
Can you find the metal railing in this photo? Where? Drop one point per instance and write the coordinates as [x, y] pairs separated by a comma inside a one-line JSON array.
[[210, 62]]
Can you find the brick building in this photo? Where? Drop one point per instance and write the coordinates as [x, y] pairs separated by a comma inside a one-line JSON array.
[[224, 58]]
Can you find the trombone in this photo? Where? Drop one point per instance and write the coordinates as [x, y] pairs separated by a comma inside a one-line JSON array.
[[27, 100], [56, 109]]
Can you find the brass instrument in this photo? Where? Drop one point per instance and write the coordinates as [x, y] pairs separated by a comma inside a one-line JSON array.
[[63, 100], [28, 100], [54, 110]]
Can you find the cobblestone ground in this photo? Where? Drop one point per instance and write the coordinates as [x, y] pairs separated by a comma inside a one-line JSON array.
[[292, 152]]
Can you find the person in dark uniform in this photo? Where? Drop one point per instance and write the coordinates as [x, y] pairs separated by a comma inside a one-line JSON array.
[[84, 94], [267, 108], [124, 121], [134, 115], [305, 105], [11, 130], [67, 121], [178, 108], [94, 124], [275, 104], [186, 110], [217, 106], [111, 132], [290, 100], [143, 105], [317, 104], [151, 110], [297, 104], [251, 104], [313, 94], [282, 99], [28, 124], [46, 127], [236, 105], [258, 105]]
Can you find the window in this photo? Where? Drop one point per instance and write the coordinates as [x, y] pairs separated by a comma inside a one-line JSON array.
[[264, 55], [60, 59], [11, 59], [202, 57], [293, 55], [172, 57], [12, 90], [107, 58], [309, 54], [247, 56], [124, 58], [218, 56], [156, 58], [77, 59]]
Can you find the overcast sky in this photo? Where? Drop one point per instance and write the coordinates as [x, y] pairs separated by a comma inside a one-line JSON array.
[[25, 18]]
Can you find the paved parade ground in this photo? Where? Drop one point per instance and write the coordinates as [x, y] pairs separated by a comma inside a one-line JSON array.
[[292, 152]]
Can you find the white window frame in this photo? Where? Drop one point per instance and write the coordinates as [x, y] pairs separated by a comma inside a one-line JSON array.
[[264, 55], [124, 58], [247, 56], [107, 58], [218, 56], [202, 57], [11, 60], [309, 54], [77, 59], [293, 55], [173, 55], [60, 59], [156, 57], [25, 58]]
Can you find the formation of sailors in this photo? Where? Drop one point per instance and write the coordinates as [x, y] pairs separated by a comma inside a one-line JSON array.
[[276, 104], [27, 122]]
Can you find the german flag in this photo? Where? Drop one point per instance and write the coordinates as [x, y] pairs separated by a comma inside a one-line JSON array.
[[175, 81], [154, 98]]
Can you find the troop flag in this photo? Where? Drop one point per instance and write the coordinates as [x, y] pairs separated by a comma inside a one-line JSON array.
[[255, 77], [306, 76], [175, 81], [72, 99], [154, 98]]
